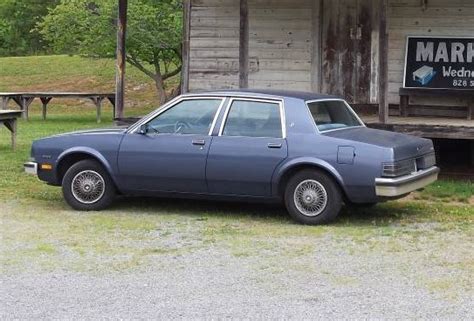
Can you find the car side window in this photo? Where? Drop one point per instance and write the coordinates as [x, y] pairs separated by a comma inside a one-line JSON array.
[[192, 116], [253, 119]]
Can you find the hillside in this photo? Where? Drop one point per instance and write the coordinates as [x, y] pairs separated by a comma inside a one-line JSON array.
[[73, 73]]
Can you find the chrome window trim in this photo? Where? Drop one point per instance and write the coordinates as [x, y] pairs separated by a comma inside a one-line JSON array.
[[275, 101], [231, 94], [172, 103], [337, 129]]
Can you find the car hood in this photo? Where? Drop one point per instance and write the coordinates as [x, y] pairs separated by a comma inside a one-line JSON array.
[[403, 146]]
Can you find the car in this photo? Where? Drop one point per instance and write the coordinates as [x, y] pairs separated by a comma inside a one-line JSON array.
[[309, 151]]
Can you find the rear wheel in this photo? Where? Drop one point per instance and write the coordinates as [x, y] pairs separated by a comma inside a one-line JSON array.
[[87, 186], [312, 197]]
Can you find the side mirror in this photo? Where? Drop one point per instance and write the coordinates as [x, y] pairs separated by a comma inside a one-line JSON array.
[[143, 129]]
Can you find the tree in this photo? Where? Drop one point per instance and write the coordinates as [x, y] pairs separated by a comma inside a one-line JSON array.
[[88, 27], [17, 24]]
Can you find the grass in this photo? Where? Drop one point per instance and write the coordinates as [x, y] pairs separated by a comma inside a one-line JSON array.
[[39, 231], [448, 191]]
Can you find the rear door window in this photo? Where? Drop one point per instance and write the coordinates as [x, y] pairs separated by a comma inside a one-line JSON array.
[[253, 119]]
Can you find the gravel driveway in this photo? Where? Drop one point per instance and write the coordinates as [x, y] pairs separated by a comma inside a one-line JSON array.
[[247, 267]]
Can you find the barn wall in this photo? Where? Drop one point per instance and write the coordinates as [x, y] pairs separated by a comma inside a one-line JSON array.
[[411, 18], [214, 44], [281, 47]]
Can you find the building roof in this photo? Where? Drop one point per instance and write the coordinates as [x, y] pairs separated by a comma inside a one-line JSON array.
[[272, 93]]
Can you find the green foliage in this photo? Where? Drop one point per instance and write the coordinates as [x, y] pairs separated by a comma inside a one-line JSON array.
[[89, 28], [17, 26]]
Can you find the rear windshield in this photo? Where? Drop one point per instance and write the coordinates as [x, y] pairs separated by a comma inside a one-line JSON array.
[[332, 114]]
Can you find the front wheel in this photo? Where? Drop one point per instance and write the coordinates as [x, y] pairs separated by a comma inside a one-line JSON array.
[[312, 197], [88, 187]]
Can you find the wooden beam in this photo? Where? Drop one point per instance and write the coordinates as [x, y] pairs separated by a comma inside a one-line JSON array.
[[383, 62], [316, 38], [121, 58], [244, 45], [186, 46]]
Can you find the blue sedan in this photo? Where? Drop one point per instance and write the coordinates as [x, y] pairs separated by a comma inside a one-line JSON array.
[[308, 151]]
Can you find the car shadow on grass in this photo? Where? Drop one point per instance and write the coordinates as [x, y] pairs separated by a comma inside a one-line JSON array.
[[381, 214]]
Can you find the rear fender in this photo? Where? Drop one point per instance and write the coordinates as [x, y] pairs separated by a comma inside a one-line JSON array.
[[304, 162]]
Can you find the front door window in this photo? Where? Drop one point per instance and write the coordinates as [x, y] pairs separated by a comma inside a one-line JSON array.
[[192, 116]]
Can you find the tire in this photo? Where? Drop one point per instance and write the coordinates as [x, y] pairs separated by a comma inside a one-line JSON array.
[[94, 189], [326, 201]]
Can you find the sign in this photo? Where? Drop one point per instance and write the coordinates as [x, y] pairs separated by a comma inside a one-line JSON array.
[[442, 63]]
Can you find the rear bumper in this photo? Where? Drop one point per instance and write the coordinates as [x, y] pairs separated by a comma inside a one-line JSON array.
[[31, 168], [393, 187]]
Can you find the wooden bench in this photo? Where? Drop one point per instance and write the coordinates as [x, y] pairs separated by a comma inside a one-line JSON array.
[[24, 100], [406, 93], [9, 119]]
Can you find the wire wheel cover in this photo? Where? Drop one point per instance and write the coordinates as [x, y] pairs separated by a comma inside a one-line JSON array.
[[88, 187], [310, 198]]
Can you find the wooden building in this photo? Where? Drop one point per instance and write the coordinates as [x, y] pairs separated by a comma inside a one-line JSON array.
[[352, 48], [329, 46]]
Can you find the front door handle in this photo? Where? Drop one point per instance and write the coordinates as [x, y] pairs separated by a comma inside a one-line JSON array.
[[274, 145], [199, 142]]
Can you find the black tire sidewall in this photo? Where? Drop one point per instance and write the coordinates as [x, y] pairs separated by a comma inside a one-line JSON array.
[[334, 202], [78, 167]]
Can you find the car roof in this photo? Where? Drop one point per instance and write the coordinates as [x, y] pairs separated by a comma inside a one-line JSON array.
[[264, 93]]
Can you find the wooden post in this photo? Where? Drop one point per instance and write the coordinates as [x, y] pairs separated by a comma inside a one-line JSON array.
[[383, 62], [472, 152], [25, 106], [244, 45], [13, 129], [11, 124], [4, 102], [186, 48], [470, 109], [45, 101], [112, 101], [121, 58], [99, 109], [97, 100], [404, 102]]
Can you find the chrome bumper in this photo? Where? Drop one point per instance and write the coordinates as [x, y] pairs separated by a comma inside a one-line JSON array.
[[392, 187], [31, 168]]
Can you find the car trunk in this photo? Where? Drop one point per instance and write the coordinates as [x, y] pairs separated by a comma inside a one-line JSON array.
[[403, 146]]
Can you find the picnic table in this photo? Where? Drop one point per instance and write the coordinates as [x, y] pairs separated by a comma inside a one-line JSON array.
[[24, 100], [9, 119]]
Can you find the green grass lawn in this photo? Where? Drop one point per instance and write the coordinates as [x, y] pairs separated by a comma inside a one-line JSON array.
[[37, 224]]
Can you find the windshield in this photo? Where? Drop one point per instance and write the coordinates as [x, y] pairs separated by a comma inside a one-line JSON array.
[[332, 114]]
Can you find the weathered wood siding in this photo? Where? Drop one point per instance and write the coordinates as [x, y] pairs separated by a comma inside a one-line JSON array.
[[285, 44], [280, 47], [412, 18], [214, 44], [280, 44]]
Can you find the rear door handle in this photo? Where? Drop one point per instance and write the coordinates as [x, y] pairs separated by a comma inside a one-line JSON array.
[[199, 142], [274, 145]]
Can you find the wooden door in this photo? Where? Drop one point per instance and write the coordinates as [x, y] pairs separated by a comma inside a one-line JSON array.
[[346, 49]]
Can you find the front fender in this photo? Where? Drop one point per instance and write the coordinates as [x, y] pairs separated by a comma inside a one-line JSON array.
[[300, 162], [89, 151]]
